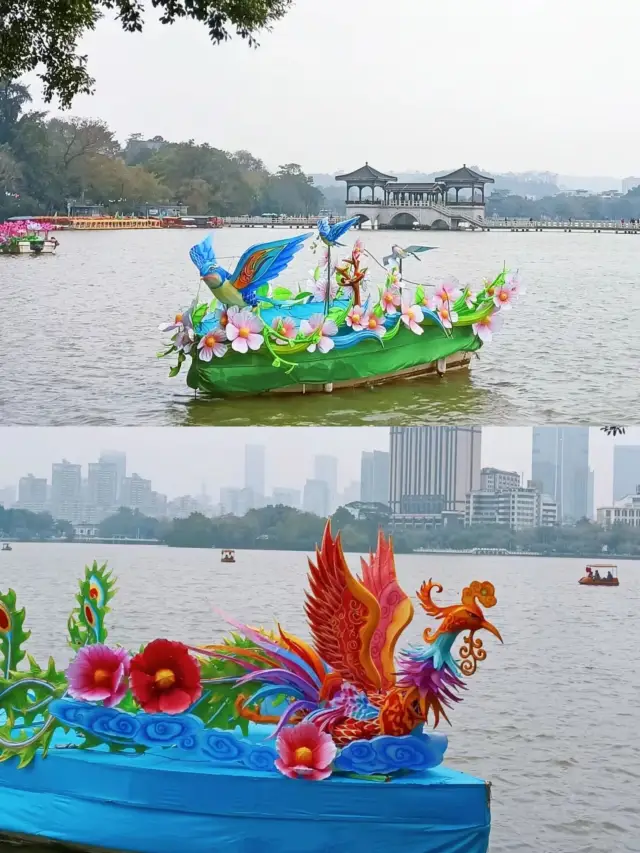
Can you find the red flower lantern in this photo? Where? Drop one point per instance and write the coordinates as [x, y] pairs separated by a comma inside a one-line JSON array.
[[165, 678]]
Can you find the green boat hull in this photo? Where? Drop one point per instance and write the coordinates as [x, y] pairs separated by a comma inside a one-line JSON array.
[[255, 373]]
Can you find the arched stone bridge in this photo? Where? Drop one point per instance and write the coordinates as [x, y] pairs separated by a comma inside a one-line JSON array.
[[408, 216]]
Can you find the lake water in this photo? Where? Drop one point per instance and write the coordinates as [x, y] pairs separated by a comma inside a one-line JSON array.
[[551, 717], [80, 334]]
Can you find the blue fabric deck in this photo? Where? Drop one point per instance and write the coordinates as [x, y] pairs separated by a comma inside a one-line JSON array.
[[156, 803]]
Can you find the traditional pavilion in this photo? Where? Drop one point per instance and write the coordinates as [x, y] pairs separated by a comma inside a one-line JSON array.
[[445, 190], [366, 177]]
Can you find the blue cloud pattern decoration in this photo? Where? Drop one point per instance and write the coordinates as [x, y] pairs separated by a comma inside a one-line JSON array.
[[187, 733], [184, 732], [388, 754]]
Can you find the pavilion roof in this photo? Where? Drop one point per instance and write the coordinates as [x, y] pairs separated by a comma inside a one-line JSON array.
[[366, 173], [465, 175], [414, 188]]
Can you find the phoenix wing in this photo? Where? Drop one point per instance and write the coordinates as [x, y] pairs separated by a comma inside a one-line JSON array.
[[343, 616], [262, 263], [396, 610]]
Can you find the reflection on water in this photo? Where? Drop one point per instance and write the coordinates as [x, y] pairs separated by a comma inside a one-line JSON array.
[[85, 322], [401, 404], [551, 717]]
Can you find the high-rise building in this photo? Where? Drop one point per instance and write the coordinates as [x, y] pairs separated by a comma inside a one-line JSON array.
[[316, 497], [560, 465], [626, 470], [352, 493], [254, 469], [518, 508], [433, 469], [8, 496], [286, 497], [374, 477], [230, 499], [624, 511], [326, 468], [495, 480], [66, 491], [119, 459], [102, 485], [136, 493], [32, 493]]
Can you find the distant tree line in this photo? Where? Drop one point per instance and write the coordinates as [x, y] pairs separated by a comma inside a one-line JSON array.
[[564, 206], [47, 162], [285, 529]]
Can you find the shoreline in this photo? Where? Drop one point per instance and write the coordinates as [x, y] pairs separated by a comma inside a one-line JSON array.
[[418, 552]]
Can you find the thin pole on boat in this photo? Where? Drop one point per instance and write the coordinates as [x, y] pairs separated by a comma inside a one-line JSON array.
[[400, 267]]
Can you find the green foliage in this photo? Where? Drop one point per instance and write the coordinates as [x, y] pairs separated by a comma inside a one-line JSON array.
[[45, 163], [43, 36], [218, 704], [131, 523], [27, 727], [12, 633], [86, 623], [565, 207]]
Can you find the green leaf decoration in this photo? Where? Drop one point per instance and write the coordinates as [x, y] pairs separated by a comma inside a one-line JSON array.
[[276, 362], [87, 622], [218, 704], [166, 352], [12, 633], [420, 295], [28, 727], [199, 314], [378, 311], [176, 369], [282, 293], [304, 295]]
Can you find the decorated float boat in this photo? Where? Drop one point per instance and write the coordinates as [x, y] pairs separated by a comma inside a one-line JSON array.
[[27, 237], [263, 741], [340, 330], [228, 555]]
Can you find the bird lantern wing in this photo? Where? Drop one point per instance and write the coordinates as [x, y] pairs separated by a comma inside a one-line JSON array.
[[203, 255], [417, 250], [396, 609], [336, 231], [343, 616], [262, 263]]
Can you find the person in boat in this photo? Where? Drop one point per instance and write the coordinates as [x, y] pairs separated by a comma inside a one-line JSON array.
[[609, 575], [596, 575]]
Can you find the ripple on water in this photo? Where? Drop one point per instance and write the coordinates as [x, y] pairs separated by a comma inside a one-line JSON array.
[[98, 303]]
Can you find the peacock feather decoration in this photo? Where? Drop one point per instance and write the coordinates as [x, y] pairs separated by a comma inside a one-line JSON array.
[[87, 622]]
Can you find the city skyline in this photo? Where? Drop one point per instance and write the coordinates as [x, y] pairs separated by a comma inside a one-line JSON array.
[[154, 454]]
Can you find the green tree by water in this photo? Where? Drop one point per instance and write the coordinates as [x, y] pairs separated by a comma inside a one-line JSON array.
[[43, 35], [47, 163]]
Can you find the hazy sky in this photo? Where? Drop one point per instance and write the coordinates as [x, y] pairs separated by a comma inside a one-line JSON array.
[[406, 84], [179, 460]]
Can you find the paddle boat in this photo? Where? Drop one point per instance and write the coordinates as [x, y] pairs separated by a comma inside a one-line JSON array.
[[338, 330], [261, 741], [6, 547], [600, 574], [228, 555]]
